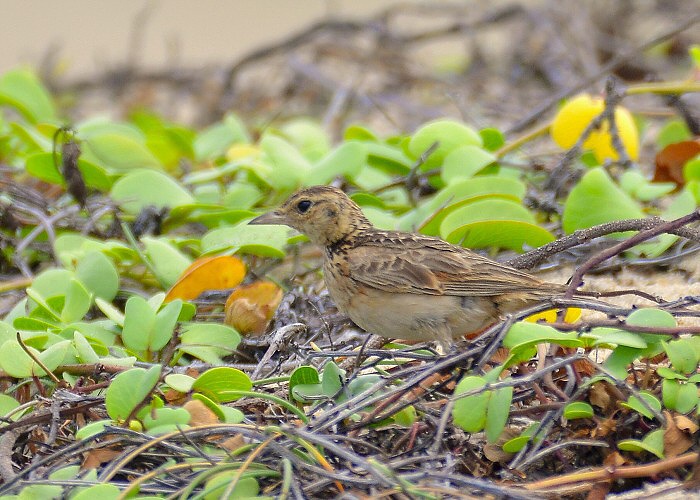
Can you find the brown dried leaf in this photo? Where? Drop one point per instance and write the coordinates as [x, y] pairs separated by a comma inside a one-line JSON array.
[[614, 459], [494, 451], [95, 458], [676, 441], [599, 396], [670, 161], [201, 414], [233, 443], [250, 308]]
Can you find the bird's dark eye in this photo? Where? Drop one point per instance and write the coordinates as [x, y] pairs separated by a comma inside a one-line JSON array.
[[304, 205]]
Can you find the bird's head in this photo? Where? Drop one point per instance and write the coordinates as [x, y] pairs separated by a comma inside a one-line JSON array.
[[324, 213]]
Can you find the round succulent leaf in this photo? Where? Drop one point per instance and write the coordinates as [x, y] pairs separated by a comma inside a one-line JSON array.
[[449, 134], [43, 166], [99, 275], [21, 89], [597, 200], [634, 403], [216, 382], [463, 162], [653, 442], [128, 390], [266, 241], [469, 412], [101, 491], [680, 396], [169, 262], [497, 412], [288, 167], [139, 320], [578, 409], [213, 141], [308, 136], [493, 223], [143, 188], [345, 161], [179, 382], [121, 152]]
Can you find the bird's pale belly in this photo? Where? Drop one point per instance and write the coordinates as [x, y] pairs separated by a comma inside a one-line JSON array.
[[415, 316]]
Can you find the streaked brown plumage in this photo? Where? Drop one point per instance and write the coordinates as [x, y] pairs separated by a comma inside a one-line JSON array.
[[404, 285]]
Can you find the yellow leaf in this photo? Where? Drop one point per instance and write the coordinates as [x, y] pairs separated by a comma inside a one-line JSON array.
[[573, 118], [550, 316]]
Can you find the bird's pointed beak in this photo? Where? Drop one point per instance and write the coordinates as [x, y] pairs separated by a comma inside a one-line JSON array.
[[273, 217]]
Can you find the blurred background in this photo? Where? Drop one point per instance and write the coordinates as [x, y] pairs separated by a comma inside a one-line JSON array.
[[392, 65]]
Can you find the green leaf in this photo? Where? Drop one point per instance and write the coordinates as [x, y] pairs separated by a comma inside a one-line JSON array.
[[518, 443], [287, 166], [469, 412], [680, 396], [523, 335], [213, 141], [246, 487], [388, 159], [179, 382], [463, 192], [169, 263], [101, 491], [21, 89], [449, 135], [672, 132], [332, 380], [18, 364], [141, 188], [77, 302], [164, 325], [653, 442], [308, 136], [128, 390], [99, 275], [8, 404], [493, 223], [85, 352], [43, 167], [614, 336], [492, 138], [596, 200], [267, 241], [497, 412], [166, 417], [208, 341], [681, 355], [463, 162], [121, 153], [139, 319], [634, 403], [682, 204], [304, 375], [578, 409], [345, 161], [216, 382]]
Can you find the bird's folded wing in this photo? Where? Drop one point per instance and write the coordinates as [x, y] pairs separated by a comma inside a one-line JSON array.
[[435, 272]]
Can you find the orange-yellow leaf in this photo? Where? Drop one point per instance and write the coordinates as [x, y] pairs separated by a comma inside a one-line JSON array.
[[249, 308], [208, 273]]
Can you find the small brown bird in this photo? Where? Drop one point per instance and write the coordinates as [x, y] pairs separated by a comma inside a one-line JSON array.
[[404, 285]]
